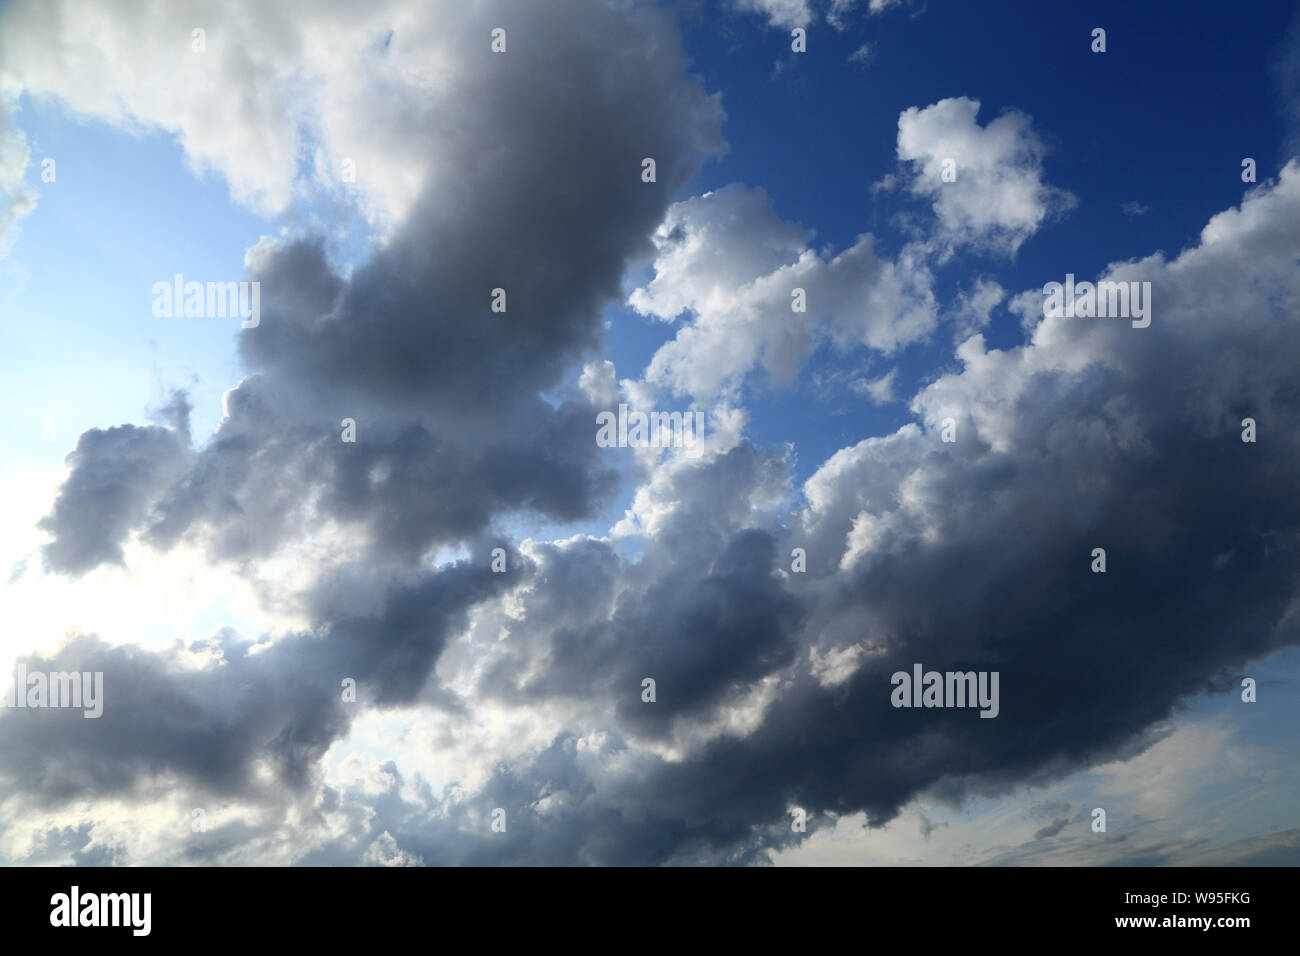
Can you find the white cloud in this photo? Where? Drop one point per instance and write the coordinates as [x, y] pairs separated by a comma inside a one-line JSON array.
[[17, 199], [282, 95], [862, 54], [728, 258], [785, 14], [998, 199], [879, 390]]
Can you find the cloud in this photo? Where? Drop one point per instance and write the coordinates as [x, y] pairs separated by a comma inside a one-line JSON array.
[[928, 826], [17, 199], [1068, 440], [280, 97], [879, 390], [727, 257], [1284, 65], [909, 559], [862, 54], [788, 14], [227, 715], [523, 690], [785, 14], [730, 260], [1086, 435], [1052, 829], [115, 474], [452, 431], [998, 198]]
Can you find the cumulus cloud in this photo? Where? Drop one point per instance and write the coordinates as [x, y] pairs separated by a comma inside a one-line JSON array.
[[729, 259], [523, 689], [998, 198], [734, 265], [451, 428], [115, 475], [280, 97], [1090, 416], [972, 555], [226, 715]]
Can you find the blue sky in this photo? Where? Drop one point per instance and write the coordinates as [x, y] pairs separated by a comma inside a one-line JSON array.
[[1119, 155]]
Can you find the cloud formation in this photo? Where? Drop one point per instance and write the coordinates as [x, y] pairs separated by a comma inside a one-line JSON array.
[[772, 686], [994, 196]]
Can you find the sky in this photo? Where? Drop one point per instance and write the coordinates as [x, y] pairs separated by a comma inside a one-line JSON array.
[[363, 582]]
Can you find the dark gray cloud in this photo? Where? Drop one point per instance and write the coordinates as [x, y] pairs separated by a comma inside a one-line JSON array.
[[1052, 829], [116, 473], [981, 561], [246, 706], [270, 475], [536, 190], [701, 611], [928, 826]]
